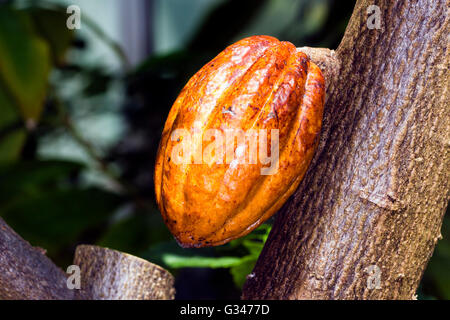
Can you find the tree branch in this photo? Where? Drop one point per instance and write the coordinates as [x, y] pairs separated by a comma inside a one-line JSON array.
[[26, 273], [113, 275]]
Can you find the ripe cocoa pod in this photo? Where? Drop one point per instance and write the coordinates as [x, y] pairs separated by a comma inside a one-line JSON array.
[[258, 85]]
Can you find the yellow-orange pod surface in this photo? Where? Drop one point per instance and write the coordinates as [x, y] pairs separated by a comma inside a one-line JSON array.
[[256, 85]]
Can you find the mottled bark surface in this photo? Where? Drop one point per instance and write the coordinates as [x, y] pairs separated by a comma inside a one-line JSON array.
[[25, 271], [376, 192], [27, 274], [113, 275]]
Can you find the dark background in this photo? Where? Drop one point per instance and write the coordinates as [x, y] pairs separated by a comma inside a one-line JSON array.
[[81, 113]]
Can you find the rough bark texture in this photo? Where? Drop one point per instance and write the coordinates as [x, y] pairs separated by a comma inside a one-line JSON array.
[[377, 189], [26, 273], [112, 275]]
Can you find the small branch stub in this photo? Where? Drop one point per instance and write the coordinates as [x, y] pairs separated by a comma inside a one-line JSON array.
[[112, 275], [326, 60]]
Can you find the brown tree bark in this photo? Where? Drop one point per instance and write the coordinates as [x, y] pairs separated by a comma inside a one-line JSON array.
[[26, 273], [371, 205], [114, 275]]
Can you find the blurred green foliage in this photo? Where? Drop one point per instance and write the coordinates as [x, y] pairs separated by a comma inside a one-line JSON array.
[[436, 280], [24, 62], [106, 197], [239, 255]]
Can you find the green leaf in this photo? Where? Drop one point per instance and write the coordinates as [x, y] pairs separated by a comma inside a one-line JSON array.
[[24, 62], [315, 16], [239, 255], [157, 252], [243, 269], [12, 138], [11, 146], [51, 25], [176, 261], [253, 240], [8, 112], [253, 247]]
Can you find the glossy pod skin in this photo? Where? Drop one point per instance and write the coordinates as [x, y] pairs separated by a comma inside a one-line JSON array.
[[257, 83]]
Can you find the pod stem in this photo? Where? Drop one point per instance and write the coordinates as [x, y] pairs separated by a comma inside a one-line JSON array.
[[327, 60]]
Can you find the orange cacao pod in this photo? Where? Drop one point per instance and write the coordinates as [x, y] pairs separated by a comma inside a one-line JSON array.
[[258, 86]]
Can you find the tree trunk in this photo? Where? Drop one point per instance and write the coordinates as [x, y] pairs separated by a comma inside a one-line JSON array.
[[364, 222]]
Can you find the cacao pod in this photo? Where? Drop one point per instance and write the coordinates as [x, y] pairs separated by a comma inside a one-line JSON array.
[[257, 85]]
